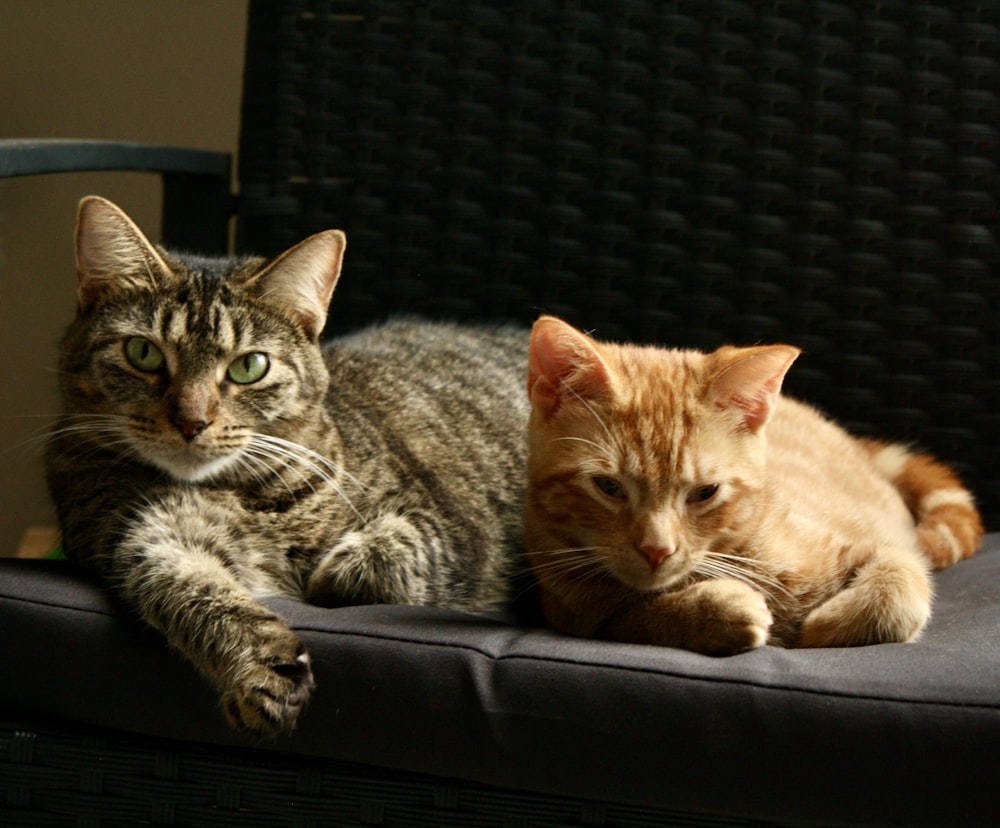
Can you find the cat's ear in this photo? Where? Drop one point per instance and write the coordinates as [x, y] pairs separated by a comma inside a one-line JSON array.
[[563, 364], [748, 381], [302, 279], [111, 252]]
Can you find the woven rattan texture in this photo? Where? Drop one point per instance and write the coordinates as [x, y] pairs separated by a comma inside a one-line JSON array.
[[689, 173], [73, 779]]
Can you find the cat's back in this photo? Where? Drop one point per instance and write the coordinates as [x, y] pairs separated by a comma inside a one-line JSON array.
[[433, 386], [431, 359], [405, 342], [826, 477]]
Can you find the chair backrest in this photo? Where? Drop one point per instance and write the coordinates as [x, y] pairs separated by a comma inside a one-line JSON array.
[[690, 173]]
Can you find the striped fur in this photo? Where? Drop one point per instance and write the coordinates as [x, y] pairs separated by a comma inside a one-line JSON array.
[[949, 527], [678, 498], [213, 453]]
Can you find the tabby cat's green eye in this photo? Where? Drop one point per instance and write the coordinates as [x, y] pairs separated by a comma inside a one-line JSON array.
[[143, 355], [249, 368]]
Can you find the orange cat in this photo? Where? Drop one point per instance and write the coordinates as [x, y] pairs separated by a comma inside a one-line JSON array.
[[676, 498]]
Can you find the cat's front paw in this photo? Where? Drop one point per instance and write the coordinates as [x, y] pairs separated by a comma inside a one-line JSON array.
[[735, 618], [272, 687], [384, 563]]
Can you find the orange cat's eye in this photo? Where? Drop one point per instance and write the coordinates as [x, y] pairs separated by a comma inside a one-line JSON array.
[[703, 494], [610, 487]]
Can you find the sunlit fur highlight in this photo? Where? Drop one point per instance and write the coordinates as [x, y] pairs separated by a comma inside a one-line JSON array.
[[734, 516]]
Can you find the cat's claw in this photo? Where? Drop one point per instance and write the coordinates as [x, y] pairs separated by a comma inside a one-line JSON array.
[[270, 697]]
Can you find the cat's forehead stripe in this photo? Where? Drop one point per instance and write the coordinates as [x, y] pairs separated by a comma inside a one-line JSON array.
[[175, 325], [199, 315], [661, 425]]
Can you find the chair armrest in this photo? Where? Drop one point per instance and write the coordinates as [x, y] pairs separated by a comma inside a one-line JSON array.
[[197, 202]]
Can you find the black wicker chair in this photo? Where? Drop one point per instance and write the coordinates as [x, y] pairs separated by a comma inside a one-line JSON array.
[[691, 173]]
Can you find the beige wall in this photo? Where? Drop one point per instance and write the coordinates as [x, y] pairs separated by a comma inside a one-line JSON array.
[[162, 71]]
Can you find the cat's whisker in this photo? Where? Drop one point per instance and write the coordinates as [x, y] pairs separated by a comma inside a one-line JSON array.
[[321, 466], [265, 460], [96, 433], [282, 459], [719, 565], [334, 468], [35, 442], [579, 577], [252, 464], [716, 569], [568, 550], [579, 572], [574, 561], [762, 571]]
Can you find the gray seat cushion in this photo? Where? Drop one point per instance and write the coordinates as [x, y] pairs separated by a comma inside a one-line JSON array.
[[891, 734]]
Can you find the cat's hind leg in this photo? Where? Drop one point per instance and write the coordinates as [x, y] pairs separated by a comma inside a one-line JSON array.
[[886, 598], [949, 527]]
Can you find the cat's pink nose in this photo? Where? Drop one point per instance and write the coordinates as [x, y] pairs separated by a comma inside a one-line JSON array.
[[656, 554], [191, 428]]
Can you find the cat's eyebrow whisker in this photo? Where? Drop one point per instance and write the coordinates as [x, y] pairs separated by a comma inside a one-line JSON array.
[[596, 416], [602, 449], [149, 272]]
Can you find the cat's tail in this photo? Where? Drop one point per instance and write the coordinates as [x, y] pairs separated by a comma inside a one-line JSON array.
[[949, 526]]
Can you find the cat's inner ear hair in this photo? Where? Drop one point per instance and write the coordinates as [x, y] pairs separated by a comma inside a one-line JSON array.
[[563, 360], [749, 381], [112, 252], [302, 279]]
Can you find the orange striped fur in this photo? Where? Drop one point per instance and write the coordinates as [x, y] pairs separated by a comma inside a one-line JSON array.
[[677, 498], [949, 527]]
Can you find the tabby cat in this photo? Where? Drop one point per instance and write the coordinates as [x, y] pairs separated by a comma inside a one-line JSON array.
[[677, 498], [213, 453]]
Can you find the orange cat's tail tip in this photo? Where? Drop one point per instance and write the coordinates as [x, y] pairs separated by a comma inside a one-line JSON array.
[[949, 526], [950, 532]]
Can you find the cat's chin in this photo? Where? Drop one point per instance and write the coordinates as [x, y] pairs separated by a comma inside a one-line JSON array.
[[186, 469], [651, 581]]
